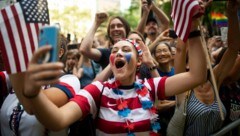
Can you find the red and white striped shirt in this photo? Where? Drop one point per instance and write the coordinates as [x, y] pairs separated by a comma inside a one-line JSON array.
[[109, 122], [5, 86]]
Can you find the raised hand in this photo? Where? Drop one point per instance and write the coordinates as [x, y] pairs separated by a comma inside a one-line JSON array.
[[38, 75], [164, 35], [203, 6], [146, 57], [101, 17], [146, 7]]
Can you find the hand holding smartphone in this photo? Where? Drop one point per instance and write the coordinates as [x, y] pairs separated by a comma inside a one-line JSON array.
[[172, 34], [48, 35]]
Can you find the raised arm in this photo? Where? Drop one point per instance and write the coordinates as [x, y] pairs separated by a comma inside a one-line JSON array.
[[229, 57], [234, 74], [180, 63], [42, 107], [196, 75], [163, 36], [163, 18], [86, 45], [148, 60], [144, 16]]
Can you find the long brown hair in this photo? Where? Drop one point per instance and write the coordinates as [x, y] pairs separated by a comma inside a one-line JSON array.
[[125, 25]]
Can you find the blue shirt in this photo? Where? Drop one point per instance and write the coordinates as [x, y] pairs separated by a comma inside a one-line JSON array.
[[168, 74]]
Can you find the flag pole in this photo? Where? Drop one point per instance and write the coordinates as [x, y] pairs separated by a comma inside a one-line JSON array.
[[211, 71]]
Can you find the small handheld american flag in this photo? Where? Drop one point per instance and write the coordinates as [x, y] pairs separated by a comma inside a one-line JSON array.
[[19, 30], [182, 13]]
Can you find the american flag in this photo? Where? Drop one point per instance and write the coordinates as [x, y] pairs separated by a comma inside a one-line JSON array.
[[182, 14], [19, 30]]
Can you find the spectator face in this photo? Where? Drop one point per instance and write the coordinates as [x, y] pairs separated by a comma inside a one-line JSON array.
[[71, 61], [151, 28], [135, 37], [163, 54], [174, 51], [124, 60], [117, 30], [218, 42]]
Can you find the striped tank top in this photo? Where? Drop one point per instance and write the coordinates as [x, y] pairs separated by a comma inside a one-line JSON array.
[[202, 119]]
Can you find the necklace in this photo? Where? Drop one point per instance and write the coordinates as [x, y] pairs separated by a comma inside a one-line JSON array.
[[145, 100]]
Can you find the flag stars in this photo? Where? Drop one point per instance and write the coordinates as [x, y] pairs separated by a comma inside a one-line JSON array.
[[35, 11]]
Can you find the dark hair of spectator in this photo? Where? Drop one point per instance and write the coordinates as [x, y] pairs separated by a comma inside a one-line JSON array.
[[73, 46], [73, 52], [165, 43], [138, 33], [62, 45]]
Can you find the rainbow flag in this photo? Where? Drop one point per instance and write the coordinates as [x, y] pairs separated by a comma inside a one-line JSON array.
[[219, 19]]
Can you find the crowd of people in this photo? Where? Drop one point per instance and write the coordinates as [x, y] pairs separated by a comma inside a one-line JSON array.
[[137, 84]]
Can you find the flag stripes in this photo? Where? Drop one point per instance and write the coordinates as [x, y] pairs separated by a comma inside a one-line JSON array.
[[182, 14], [18, 38]]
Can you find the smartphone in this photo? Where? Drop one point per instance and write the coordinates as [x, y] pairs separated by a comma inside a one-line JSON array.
[[48, 35], [172, 34]]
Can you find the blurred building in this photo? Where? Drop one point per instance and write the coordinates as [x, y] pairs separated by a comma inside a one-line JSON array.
[[108, 5]]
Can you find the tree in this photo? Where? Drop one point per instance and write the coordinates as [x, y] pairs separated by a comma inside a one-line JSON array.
[[71, 19]]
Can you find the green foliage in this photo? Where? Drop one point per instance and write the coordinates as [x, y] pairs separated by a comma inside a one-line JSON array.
[[166, 7], [132, 15], [70, 19], [218, 6]]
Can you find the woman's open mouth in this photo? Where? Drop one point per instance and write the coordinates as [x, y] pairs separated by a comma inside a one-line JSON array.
[[119, 64]]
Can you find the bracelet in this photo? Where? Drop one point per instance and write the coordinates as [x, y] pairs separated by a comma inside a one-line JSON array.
[[152, 68], [194, 33]]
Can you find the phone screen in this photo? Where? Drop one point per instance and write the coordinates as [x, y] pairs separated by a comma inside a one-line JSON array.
[[49, 36]]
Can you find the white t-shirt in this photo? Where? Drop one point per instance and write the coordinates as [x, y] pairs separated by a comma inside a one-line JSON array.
[[13, 114]]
